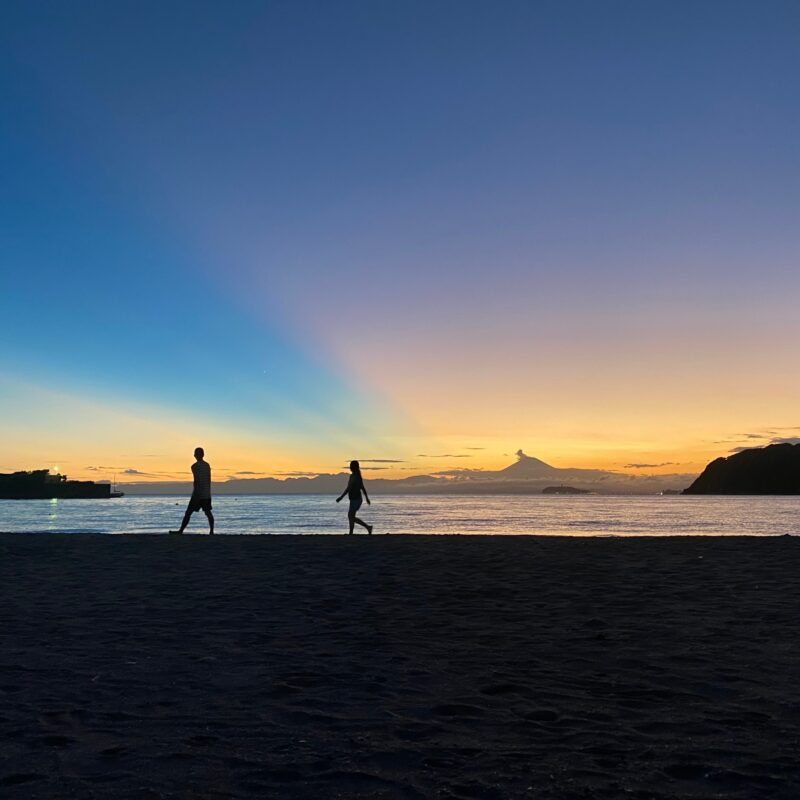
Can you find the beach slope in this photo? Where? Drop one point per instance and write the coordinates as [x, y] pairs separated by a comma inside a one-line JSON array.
[[398, 667]]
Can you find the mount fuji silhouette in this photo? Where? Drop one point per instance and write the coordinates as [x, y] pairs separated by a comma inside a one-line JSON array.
[[528, 468]]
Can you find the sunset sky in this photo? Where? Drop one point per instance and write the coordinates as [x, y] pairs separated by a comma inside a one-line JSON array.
[[422, 234]]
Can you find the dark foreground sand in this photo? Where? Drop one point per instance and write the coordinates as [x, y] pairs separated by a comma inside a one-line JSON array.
[[398, 667]]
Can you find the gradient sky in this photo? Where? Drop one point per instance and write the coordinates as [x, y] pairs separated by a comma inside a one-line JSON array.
[[425, 233]]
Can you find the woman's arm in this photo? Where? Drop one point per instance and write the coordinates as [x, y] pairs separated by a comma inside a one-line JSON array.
[[364, 489], [346, 490]]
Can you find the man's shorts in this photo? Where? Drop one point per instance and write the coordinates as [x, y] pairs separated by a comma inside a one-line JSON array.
[[196, 504]]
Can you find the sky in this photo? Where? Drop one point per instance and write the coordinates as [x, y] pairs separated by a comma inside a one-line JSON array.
[[421, 234]]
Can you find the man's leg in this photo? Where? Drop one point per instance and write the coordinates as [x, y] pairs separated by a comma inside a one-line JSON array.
[[210, 516], [186, 517]]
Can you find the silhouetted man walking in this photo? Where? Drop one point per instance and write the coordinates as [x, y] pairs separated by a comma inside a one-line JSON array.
[[201, 494]]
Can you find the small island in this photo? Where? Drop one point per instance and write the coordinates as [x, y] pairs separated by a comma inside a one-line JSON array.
[[40, 484], [564, 490]]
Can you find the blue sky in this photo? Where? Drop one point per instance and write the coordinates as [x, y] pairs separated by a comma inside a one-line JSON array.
[[375, 228]]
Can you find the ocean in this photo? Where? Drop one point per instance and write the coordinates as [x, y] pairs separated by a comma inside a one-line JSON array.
[[591, 515]]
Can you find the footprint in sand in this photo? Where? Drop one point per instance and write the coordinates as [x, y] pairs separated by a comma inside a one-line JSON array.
[[687, 772], [503, 689], [18, 778], [457, 710], [57, 741], [542, 715]]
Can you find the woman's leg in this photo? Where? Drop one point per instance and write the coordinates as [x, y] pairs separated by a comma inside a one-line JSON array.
[[361, 523], [351, 518]]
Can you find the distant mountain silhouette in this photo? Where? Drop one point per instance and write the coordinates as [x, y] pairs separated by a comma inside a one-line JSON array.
[[774, 469], [527, 467], [528, 475]]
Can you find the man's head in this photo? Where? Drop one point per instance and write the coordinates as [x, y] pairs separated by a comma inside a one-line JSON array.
[[199, 453]]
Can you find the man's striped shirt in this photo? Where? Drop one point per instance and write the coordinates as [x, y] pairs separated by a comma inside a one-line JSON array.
[[202, 480]]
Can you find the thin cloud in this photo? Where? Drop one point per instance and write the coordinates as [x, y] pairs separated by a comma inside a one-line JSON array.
[[299, 474], [651, 466], [458, 473], [738, 437], [126, 471], [474, 448], [445, 455], [135, 472], [782, 440], [773, 434], [381, 461]]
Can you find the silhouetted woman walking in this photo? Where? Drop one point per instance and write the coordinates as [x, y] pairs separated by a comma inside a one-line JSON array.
[[354, 488]]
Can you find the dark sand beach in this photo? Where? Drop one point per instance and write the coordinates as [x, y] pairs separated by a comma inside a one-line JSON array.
[[399, 667]]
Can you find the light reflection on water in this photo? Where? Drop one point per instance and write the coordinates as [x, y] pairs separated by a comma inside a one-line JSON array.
[[470, 514]]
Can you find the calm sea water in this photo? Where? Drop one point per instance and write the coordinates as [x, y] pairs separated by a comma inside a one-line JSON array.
[[265, 514]]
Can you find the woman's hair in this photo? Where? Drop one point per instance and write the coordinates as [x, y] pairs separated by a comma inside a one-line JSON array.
[[355, 467]]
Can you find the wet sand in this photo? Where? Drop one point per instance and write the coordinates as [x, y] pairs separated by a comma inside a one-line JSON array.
[[399, 667]]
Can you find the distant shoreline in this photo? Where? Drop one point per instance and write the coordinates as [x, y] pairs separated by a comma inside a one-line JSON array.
[[463, 494], [589, 495]]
